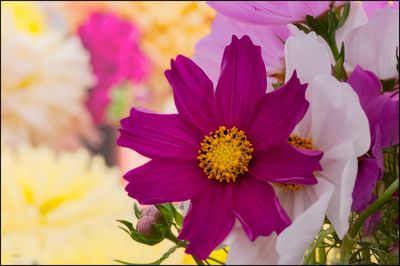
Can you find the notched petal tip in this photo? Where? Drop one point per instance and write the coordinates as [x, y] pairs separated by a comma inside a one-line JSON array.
[[295, 81]]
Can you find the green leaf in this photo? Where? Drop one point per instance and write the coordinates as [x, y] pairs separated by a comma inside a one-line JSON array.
[[166, 212], [316, 25], [162, 229], [178, 217], [151, 241], [127, 231], [340, 72], [345, 14], [332, 22], [127, 224], [138, 214], [302, 27]]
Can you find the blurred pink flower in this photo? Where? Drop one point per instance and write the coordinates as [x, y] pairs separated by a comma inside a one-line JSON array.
[[371, 6], [114, 54], [271, 12], [272, 39]]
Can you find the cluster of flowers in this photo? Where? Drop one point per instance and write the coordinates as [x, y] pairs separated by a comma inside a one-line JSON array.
[[287, 117], [58, 85]]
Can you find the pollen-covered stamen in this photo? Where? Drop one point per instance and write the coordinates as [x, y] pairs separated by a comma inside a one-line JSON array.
[[289, 187], [301, 143], [225, 154]]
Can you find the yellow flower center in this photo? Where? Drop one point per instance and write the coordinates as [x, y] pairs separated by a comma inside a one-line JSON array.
[[301, 143], [225, 154]]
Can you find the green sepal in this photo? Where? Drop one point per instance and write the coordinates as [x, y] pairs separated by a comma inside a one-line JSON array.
[[151, 241], [340, 72], [333, 22], [178, 217], [316, 25], [138, 214], [129, 225], [166, 212], [302, 28], [345, 14]]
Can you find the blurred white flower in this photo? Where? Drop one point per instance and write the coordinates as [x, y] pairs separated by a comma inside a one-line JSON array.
[[44, 81]]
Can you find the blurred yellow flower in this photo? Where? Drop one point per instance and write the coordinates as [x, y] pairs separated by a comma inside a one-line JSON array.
[[44, 83], [26, 16], [61, 209]]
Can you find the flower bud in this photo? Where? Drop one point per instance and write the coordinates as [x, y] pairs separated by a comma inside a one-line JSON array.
[[149, 216]]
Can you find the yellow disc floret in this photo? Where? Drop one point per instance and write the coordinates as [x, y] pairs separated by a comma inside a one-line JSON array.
[[225, 154], [289, 187], [301, 143]]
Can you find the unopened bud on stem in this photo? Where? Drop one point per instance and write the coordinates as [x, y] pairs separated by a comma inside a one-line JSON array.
[[150, 215]]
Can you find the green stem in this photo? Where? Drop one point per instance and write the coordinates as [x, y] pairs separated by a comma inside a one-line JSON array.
[[331, 41], [312, 258], [316, 244], [170, 236], [365, 255], [198, 262], [215, 260], [321, 254], [345, 250], [373, 208], [348, 240], [157, 262]]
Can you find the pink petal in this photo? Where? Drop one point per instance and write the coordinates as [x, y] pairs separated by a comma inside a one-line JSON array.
[[208, 221], [274, 118], [257, 208], [271, 12], [242, 82], [193, 94], [165, 180], [381, 109], [285, 163], [155, 135]]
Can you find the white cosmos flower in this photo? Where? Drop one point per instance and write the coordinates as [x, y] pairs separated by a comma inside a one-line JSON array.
[[336, 124], [373, 45], [44, 83]]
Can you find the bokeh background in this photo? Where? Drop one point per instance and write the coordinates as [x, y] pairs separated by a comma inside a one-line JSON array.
[[69, 72]]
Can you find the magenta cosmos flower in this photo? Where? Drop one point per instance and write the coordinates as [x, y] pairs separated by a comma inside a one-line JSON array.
[[271, 12], [382, 111], [114, 55], [223, 148]]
